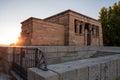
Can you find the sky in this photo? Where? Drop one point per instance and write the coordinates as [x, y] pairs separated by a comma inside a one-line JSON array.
[[13, 12]]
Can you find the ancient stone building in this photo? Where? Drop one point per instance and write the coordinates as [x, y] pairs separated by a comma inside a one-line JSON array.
[[65, 28]]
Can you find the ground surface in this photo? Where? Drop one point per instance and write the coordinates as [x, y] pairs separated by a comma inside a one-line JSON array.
[[3, 74]]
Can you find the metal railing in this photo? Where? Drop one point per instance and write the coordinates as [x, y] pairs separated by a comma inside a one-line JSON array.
[[24, 58]]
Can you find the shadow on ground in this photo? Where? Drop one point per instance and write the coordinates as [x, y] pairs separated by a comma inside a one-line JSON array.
[[3, 74]]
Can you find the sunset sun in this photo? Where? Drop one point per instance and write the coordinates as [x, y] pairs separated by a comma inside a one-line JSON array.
[[9, 36], [9, 40]]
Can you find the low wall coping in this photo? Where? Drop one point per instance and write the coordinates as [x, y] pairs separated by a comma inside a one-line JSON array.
[[56, 71]]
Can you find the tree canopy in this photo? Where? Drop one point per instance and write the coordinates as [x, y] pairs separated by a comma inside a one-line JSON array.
[[110, 19]]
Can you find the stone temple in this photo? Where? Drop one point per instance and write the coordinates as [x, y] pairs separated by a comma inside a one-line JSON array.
[[73, 51], [68, 28]]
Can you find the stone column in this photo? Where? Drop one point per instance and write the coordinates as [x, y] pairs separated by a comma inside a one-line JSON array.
[[95, 31], [85, 36], [83, 28], [78, 28], [78, 24], [84, 33], [90, 33]]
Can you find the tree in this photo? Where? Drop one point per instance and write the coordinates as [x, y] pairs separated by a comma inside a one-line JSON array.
[[110, 19]]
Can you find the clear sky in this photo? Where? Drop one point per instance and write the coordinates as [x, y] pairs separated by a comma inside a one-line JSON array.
[[13, 12]]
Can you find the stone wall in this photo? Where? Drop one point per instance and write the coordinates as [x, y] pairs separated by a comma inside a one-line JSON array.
[[26, 33], [7, 58], [66, 28], [45, 33], [80, 37], [60, 54], [102, 68], [79, 29], [70, 57], [62, 19], [38, 32]]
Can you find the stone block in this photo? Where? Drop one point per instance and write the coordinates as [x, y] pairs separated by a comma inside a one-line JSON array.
[[81, 54], [62, 54], [104, 71], [66, 58], [37, 74], [85, 48], [112, 70], [71, 48], [52, 49], [90, 53], [69, 75], [53, 60], [70, 54], [31, 75], [94, 72], [45, 35], [84, 54], [62, 48], [118, 67], [79, 48], [51, 54], [65, 71], [93, 48], [82, 73]]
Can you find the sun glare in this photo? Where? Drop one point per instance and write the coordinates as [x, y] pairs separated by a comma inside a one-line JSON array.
[[9, 38], [8, 34], [8, 41]]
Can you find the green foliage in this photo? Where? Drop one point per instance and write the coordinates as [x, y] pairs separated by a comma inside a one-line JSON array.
[[110, 19]]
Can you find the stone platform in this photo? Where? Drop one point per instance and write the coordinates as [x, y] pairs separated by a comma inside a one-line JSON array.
[[102, 68], [69, 62]]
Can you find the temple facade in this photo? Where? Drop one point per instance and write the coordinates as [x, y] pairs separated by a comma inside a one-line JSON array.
[[67, 28]]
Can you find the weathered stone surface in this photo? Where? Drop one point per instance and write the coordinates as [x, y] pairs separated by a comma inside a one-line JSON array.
[[82, 74], [109, 66], [66, 28], [94, 72], [118, 67], [102, 68], [41, 33], [112, 70], [59, 54], [105, 71], [37, 74]]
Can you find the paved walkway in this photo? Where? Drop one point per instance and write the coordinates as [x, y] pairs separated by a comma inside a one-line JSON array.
[[3, 75]]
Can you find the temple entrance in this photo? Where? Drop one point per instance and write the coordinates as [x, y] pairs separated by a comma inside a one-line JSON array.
[[88, 38], [88, 34]]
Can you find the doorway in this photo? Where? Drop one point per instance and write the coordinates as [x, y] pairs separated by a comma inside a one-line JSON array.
[[88, 35]]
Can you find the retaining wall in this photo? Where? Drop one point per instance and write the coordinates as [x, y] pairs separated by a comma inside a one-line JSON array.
[[102, 68], [60, 54], [7, 58]]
